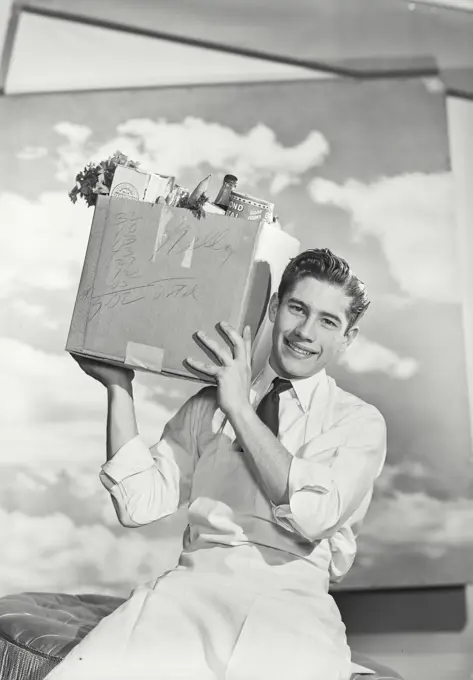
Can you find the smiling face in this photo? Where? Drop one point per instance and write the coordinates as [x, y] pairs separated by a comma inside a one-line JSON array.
[[310, 328]]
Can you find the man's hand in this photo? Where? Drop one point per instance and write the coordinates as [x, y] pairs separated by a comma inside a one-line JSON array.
[[121, 419], [104, 373], [265, 455], [233, 375]]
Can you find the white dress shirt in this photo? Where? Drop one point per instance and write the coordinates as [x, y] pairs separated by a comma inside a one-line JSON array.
[[338, 444]]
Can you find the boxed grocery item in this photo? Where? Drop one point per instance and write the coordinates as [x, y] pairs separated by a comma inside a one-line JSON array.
[[155, 274], [140, 186]]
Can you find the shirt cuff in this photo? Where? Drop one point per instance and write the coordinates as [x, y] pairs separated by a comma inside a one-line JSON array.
[[132, 458], [307, 475], [304, 475]]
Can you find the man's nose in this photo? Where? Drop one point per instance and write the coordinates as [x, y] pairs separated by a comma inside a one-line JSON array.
[[306, 330]]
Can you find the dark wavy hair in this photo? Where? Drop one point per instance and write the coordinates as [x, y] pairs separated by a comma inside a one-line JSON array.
[[323, 265]]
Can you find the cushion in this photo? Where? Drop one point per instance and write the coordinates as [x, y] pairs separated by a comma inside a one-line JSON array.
[[37, 630]]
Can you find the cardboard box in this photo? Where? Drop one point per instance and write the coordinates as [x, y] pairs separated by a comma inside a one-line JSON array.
[[153, 275]]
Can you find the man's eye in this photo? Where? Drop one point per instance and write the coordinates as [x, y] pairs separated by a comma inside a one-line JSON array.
[[295, 308], [329, 322]]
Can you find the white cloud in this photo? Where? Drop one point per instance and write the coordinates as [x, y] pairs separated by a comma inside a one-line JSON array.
[[54, 412], [29, 310], [414, 469], [70, 502], [36, 313], [418, 522], [52, 553], [171, 148], [42, 243], [367, 356], [281, 181], [413, 217], [75, 134], [71, 155], [32, 153]]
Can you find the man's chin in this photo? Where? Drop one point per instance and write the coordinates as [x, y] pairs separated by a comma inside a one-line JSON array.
[[296, 368]]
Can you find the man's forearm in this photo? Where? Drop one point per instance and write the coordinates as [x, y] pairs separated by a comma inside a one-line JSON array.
[[268, 458], [121, 418]]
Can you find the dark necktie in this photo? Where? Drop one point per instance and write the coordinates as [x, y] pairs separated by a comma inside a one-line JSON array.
[[268, 408]]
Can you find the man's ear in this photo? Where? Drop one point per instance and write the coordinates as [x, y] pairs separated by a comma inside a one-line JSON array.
[[273, 307], [348, 339]]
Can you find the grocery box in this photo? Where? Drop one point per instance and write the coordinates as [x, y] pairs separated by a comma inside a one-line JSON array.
[[153, 275]]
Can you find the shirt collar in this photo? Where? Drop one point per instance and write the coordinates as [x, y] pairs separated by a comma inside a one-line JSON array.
[[304, 388], [264, 379]]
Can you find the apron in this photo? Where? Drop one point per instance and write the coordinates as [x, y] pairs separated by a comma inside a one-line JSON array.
[[247, 600], [224, 613]]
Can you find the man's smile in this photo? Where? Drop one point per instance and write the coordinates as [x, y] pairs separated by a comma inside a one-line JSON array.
[[299, 350]]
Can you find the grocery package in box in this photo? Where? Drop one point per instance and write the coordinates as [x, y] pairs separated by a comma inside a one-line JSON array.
[[140, 186], [154, 274]]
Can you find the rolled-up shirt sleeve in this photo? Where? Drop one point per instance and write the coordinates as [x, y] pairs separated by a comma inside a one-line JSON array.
[[149, 483], [331, 475]]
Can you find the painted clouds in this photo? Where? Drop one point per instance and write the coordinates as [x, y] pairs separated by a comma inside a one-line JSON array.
[[413, 217], [173, 148], [56, 518], [366, 356]]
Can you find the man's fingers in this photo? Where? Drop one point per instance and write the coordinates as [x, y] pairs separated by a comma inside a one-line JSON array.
[[208, 369], [247, 341], [235, 338], [221, 354]]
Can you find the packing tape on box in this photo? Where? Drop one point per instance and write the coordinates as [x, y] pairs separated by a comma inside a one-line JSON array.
[[144, 356], [165, 217], [187, 259]]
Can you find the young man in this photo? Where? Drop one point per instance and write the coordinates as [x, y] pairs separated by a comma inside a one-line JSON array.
[[277, 477]]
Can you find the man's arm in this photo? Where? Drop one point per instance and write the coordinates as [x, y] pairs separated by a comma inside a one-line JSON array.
[[312, 498], [121, 418], [145, 484], [267, 457], [148, 484], [332, 474]]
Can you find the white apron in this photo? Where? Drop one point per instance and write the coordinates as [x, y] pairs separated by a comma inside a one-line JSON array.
[[225, 613], [245, 601]]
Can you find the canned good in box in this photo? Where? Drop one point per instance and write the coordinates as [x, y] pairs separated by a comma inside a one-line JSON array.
[[249, 208]]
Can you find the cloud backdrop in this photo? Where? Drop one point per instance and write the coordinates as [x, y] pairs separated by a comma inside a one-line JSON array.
[[360, 168]]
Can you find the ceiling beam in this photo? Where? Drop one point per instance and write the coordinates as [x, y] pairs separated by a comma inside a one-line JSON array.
[[397, 67], [9, 41], [356, 68]]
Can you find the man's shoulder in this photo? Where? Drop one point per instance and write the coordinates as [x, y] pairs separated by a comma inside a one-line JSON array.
[[347, 404], [204, 400], [197, 410], [207, 394]]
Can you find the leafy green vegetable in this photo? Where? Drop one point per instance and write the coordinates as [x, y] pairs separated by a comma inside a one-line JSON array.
[[195, 206], [97, 179]]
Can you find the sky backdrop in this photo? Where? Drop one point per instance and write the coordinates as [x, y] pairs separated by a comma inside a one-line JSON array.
[[359, 167]]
